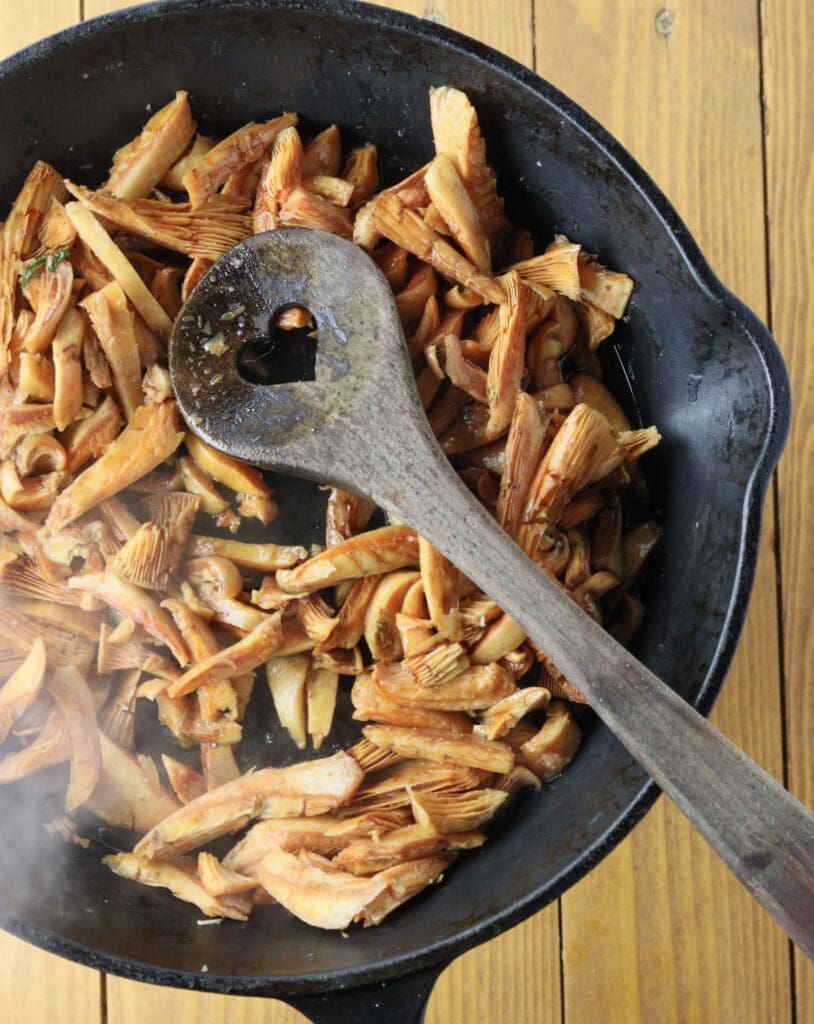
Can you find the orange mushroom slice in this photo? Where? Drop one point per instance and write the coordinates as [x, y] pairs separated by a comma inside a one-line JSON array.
[[140, 165], [433, 745], [180, 877], [312, 787], [151, 437], [20, 690], [323, 898]]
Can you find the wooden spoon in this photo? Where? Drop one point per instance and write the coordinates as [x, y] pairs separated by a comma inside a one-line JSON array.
[[359, 425]]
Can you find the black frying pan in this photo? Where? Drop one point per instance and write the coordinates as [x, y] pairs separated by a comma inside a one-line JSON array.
[[702, 368]]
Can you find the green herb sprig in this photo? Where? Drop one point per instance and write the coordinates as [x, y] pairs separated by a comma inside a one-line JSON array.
[[50, 260]]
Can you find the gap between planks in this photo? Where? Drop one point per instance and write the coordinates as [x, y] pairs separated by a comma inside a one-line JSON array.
[[787, 68], [775, 484]]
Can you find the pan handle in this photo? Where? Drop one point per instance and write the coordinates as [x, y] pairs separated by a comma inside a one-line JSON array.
[[398, 1001]]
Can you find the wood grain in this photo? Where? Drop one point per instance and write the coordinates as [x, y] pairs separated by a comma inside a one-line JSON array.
[[660, 931], [131, 1002], [37, 987], [93, 8], [21, 24], [514, 979], [788, 62], [506, 25]]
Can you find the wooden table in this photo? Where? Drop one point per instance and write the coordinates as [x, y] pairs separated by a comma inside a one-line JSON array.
[[713, 98]]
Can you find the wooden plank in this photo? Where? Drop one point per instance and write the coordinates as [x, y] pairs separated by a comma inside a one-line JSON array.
[[512, 979], [21, 24], [131, 1002], [93, 8], [506, 26], [788, 67], [660, 931], [38, 987]]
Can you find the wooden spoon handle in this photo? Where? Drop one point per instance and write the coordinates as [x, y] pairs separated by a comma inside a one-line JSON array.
[[757, 828], [360, 425]]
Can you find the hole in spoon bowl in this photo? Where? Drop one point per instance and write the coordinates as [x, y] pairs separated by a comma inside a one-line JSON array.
[[286, 354]]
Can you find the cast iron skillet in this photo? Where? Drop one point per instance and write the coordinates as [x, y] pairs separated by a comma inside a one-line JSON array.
[[702, 368]]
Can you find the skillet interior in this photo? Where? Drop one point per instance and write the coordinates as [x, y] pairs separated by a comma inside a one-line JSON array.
[[702, 368]]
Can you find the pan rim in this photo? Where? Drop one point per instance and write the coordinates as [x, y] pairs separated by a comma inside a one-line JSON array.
[[441, 952]]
